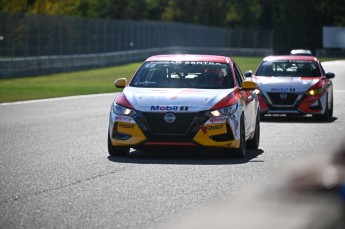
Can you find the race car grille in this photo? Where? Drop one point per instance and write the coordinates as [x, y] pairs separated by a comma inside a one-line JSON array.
[[180, 126], [283, 99]]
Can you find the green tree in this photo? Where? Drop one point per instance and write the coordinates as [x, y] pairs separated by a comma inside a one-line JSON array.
[[296, 23], [215, 13], [330, 12], [155, 9], [304, 28], [15, 6], [87, 8], [243, 13], [119, 9], [49, 7]]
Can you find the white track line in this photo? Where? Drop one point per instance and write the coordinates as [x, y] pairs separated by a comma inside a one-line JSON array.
[[58, 99]]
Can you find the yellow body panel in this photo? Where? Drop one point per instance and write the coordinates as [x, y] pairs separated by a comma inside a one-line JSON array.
[[203, 137], [130, 129]]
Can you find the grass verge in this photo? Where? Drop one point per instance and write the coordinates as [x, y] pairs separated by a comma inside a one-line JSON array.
[[81, 82], [64, 84]]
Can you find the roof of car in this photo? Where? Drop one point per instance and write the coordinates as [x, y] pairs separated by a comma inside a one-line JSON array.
[[190, 57], [290, 57]]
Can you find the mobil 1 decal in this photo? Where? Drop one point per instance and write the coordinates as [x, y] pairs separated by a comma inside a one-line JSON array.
[[169, 108]]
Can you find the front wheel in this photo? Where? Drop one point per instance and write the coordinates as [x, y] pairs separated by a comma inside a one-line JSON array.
[[241, 151], [115, 150], [253, 143], [328, 113]]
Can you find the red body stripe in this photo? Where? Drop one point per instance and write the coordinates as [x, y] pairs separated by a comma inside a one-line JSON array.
[[122, 100], [228, 100]]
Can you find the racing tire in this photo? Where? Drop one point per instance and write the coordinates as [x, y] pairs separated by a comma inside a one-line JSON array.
[[328, 114], [241, 151], [115, 150], [253, 143]]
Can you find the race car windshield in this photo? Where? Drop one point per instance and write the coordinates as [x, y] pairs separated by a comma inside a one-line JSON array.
[[289, 68], [183, 75]]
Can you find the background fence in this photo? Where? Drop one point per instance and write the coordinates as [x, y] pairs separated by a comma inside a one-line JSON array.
[[29, 43]]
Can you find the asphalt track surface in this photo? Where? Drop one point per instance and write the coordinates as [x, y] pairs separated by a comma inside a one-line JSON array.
[[55, 171]]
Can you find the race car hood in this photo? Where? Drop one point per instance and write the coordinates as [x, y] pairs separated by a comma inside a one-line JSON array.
[[174, 99], [285, 84]]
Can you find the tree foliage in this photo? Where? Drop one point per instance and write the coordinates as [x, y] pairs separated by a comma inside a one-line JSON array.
[[50, 7], [215, 13], [234, 13], [296, 23]]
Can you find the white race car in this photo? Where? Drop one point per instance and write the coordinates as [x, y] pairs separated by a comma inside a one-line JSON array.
[[293, 85], [185, 101]]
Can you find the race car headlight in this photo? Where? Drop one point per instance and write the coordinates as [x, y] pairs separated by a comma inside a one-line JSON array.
[[120, 110], [227, 111], [316, 91], [257, 91]]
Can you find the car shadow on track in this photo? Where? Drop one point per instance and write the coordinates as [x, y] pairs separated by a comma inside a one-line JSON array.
[[189, 157], [295, 119]]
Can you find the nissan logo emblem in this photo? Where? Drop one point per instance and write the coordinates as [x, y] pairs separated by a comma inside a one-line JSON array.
[[283, 95], [169, 117]]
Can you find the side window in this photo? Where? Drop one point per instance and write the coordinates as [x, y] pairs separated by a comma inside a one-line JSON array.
[[322, 70], [238, 75]]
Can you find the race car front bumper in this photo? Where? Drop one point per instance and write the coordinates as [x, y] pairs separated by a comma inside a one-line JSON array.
[[294, 103], [149, 129]]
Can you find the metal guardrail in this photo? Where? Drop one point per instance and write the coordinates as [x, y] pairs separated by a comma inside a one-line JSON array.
[[27, 35], [30, 66], [41, 44]]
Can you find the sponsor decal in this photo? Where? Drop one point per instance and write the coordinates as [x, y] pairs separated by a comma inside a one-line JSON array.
[[215, 127], [123, 118], [164, 108], [202, 62], [283, 89], [185, 62], [210, 128], [169, 108], [295, 61], [125, 125], [218, 119]]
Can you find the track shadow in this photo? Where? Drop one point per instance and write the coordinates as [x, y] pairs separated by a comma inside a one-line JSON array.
[[185, 157], [294, 119]]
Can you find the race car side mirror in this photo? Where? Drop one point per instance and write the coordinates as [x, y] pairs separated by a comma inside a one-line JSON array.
[[248, 85], [120, 83], [248, 73], [330, 75]]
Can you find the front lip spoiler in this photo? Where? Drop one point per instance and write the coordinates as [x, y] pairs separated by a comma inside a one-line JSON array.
[[282, 112]]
